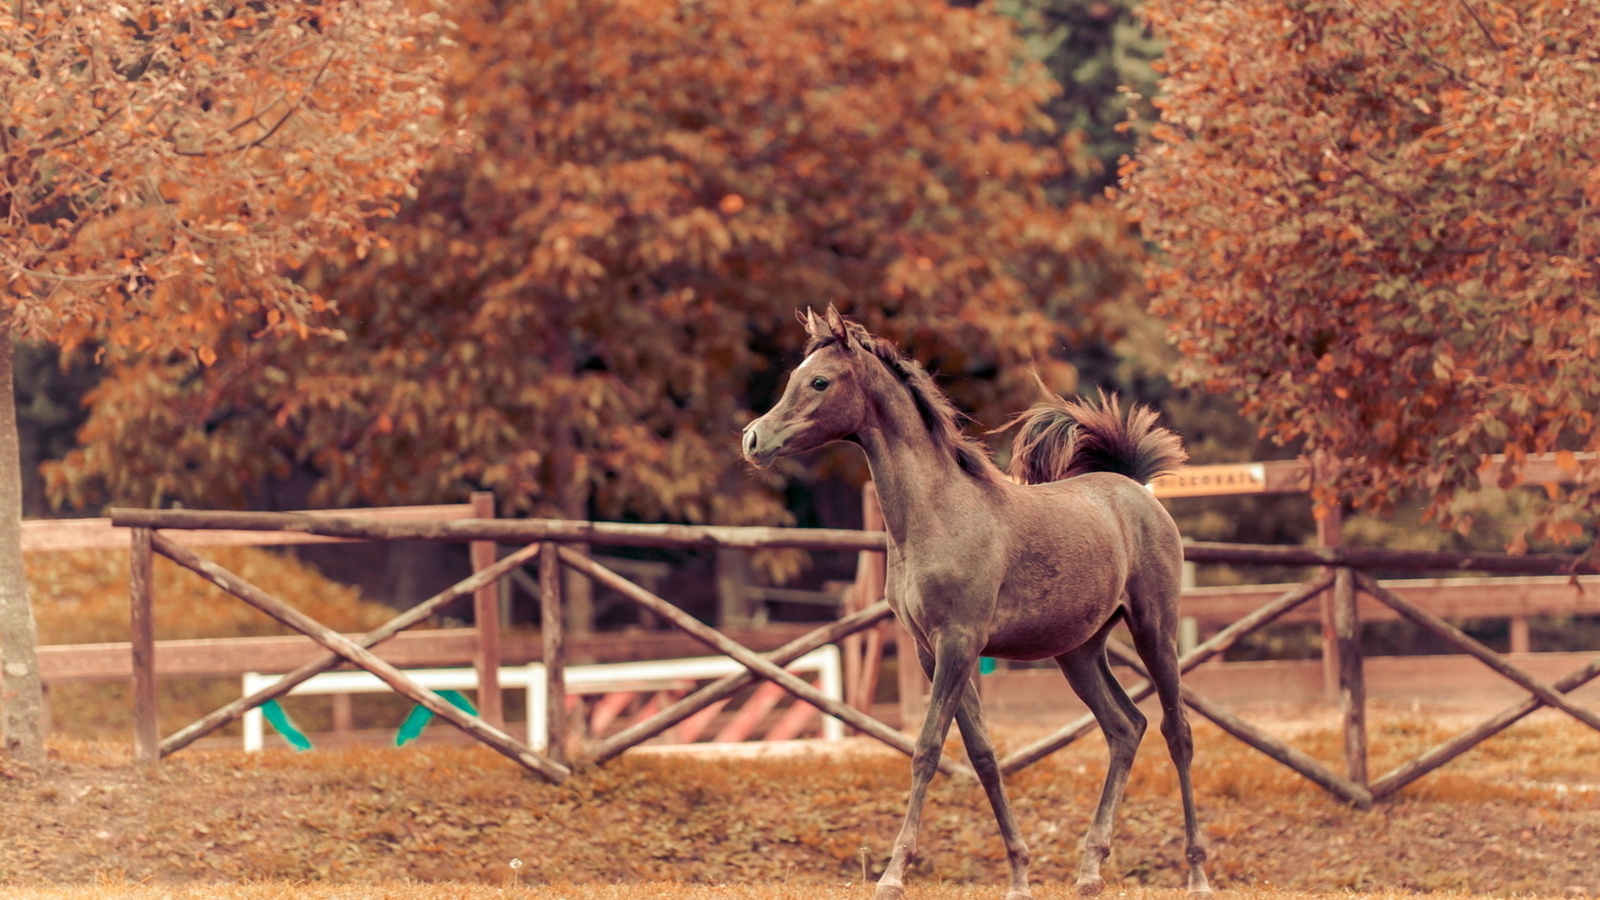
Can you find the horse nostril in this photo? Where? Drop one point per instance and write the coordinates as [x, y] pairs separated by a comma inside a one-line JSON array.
[[749, 441]]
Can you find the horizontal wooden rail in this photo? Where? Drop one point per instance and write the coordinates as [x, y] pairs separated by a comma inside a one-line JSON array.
[[1450, 598], [508, 531], [526, 531], [47, 535], [1381, 558], [429, 649]]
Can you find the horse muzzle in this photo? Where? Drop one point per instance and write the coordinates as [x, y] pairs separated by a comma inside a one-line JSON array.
[[757, 451]]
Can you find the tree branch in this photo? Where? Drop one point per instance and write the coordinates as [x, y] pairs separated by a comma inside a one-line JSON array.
[[293, 108], [1467, 5]]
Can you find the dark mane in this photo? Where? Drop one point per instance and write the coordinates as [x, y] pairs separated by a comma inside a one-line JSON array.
[[938, 413]]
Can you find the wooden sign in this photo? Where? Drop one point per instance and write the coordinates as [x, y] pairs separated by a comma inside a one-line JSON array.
[[1281, 476], [1212, 481]]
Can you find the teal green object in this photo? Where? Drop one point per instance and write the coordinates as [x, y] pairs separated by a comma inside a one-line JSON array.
[[986, 665], [420, 716], [279, 720]]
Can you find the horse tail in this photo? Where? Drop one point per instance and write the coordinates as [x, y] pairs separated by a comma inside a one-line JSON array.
[[1060, 438]]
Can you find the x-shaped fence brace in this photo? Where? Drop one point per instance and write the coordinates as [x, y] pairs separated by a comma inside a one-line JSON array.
[[549, 765], [354, 651], [1539, 693], [1352, 790], [552, 557]]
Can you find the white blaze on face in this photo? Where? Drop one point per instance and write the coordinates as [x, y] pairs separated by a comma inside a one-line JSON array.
[[799, 375]]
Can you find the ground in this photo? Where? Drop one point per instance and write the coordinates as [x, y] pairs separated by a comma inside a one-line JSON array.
[[1518, 816]]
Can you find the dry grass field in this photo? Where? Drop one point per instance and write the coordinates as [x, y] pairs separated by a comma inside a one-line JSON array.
[[633, 891], [1518, 817]]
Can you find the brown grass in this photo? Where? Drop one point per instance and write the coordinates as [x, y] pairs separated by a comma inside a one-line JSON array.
[[659, 890], [1518, 817]]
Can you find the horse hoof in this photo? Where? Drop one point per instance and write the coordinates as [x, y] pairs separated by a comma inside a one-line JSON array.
[[1091, 887], [889, 892], [1201, 894], [1018, 895]]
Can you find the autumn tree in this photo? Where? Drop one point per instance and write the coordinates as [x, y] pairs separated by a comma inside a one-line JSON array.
[[1378, 226], [165, 165], [1103, 56], [583, 306]]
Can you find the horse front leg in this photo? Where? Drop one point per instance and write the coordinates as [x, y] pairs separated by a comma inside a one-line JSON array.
[[949, 667], [980, 750]]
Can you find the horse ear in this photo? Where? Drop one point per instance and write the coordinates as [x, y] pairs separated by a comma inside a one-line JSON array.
[[836, 326]]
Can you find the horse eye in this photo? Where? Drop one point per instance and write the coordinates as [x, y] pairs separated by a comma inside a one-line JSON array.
[[819, 383]]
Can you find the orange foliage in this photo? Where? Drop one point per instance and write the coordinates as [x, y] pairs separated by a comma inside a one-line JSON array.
[[574, 311], [1378, 226], [164, 163]]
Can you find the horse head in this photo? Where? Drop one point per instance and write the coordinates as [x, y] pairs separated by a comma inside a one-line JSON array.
[[823, 401]]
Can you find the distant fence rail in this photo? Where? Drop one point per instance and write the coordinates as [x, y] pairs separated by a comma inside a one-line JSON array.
[[1344, 578]]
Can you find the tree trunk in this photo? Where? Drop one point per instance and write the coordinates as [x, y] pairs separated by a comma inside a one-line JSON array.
[[21, 693]]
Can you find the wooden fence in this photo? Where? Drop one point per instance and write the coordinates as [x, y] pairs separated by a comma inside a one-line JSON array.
[[1344, 577], [541, 541]]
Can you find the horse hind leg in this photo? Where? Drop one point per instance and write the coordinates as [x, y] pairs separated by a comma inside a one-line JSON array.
[[980, 751], [1157, 645], [1123, 726]]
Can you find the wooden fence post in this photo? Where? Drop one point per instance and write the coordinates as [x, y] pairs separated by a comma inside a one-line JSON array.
[[1352, 681], [486, 618], [555, 652], [1330, 528], [1342, 673], [867, 649], [146, 727], [1519, 635]]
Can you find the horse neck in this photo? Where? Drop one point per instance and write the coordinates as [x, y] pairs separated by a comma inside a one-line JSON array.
[[913, 471]]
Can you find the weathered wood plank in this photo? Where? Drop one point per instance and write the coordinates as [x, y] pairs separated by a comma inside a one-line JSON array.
[[508, 531], [142, 656], [1455, 599], [551, 614], [423, 649], [1352, 680], [526, 531], [1383, 558], [46, 535], [486, 621]]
